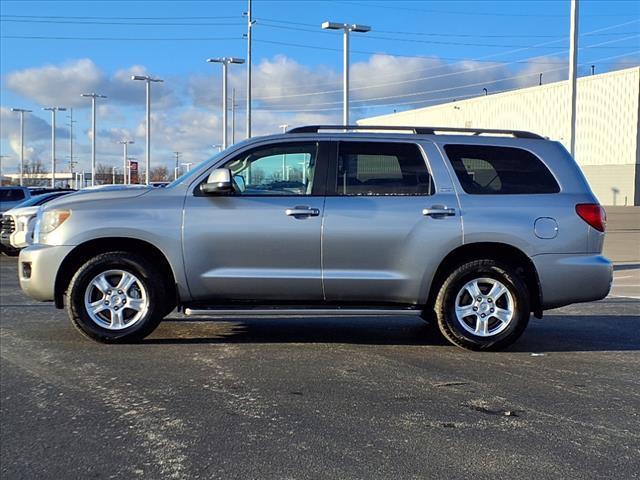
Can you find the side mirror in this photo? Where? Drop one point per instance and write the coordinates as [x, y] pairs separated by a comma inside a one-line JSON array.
[[219, 182]]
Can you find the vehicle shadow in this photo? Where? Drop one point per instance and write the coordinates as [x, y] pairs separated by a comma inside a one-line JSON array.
[[561, 333]]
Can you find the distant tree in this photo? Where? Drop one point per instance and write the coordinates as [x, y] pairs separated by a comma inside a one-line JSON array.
[[103, 174], [159, 174], [32, 169]]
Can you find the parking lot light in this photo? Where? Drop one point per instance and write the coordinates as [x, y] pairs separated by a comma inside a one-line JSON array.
[[21, 111], [93, 97], [148, 80], [53, 111], [125, 143], [225, 61], [346, 28]]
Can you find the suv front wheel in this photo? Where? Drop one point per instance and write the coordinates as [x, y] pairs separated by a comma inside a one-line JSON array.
[[116, 297], [483, 305]]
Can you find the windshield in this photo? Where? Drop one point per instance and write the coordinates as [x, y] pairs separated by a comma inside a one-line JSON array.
[[197, 169]]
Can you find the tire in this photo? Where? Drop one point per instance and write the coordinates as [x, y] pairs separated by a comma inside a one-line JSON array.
[[494, 317], [127, 308]]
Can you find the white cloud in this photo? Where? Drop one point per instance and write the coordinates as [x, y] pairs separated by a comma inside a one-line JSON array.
[[62, 85]]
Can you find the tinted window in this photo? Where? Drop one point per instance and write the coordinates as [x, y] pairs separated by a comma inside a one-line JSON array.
[[376, 168], [485, 170], [285, 169], [11, 194]]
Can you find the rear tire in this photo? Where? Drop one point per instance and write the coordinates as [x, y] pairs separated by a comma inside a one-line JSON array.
[[483, 305], [117, 297]]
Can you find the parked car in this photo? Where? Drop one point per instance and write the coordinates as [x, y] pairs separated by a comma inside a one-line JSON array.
[[16, 224], [11, 196], [473, 229]]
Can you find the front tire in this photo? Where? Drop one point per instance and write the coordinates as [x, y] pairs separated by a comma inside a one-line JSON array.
[[483, 305], [117, 297]]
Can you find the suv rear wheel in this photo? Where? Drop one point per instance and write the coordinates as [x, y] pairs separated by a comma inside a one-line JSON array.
[[116, 297], [483, 305]]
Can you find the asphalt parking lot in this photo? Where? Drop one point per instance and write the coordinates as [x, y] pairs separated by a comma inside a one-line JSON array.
[[324, 398]]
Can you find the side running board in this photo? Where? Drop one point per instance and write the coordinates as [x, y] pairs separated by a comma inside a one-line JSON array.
[[300, 312]]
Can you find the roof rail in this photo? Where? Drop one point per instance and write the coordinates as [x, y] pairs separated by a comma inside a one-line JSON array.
[[415, 130]]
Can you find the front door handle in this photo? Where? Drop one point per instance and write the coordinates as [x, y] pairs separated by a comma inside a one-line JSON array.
[[302, 212], [439, 211]]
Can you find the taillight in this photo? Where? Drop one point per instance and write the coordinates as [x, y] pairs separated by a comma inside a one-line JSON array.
[[593, 214]]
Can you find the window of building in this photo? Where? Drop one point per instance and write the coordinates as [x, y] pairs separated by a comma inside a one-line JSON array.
[[491, 170], [378, 168]]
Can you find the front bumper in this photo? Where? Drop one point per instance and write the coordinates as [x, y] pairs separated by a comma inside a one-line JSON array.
[[572, 278], [38, 266]]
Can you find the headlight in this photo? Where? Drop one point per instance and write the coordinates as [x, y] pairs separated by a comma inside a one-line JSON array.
[[52, 219]]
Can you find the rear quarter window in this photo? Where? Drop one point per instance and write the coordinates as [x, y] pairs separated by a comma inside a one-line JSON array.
[[493, 170]]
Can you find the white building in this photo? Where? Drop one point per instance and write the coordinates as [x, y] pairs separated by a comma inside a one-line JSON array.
[[607, 139]]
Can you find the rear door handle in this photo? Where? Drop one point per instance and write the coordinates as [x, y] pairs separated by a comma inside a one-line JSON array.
[[302, 212], [439, 211]]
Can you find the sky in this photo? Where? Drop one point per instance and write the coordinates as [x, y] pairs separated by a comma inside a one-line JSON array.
[[418, 53]]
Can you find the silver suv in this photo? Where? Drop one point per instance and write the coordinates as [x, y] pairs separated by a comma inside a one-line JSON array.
[[473, 229]]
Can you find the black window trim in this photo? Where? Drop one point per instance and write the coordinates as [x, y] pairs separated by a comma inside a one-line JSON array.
[[460, 189], [332, 170]]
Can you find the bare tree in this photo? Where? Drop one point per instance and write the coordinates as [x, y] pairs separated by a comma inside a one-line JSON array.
[[159, 174], [32, 170], [103, 174]]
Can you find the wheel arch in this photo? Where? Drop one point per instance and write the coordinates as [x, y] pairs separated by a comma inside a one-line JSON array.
[[80, 254], [501, 252]]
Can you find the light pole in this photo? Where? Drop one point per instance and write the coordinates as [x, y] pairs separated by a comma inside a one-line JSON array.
[[284, 127], [148, 80], [346, 28], [93, 97], [71, 122], [573, 73], [175, 170], [218, 146], [125, 143], [188, 165], [53, 111], [21, 111], [250, 23], [225, 61], [113, 175]]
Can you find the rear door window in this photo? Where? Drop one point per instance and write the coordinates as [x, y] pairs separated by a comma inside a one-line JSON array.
[[492, 170], [379, 168]]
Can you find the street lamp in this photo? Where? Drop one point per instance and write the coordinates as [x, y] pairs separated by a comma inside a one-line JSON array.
[[125, 144], [284, 127], [21, 111], [93, 97], [225, 61], [53, 111], [218, 146], [346, 28], [188, 165], [147, 79]]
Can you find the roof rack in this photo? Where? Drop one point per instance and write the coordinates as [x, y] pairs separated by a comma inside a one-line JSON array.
[[415, 130]]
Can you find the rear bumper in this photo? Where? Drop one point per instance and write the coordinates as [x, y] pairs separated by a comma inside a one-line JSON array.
[[38, 267], [572, 278]]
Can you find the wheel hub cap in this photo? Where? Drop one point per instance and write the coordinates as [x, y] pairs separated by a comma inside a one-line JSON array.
[[484, 307], [116, 299]]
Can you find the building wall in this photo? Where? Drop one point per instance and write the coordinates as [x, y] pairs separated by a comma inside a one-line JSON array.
[[608, 107]]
